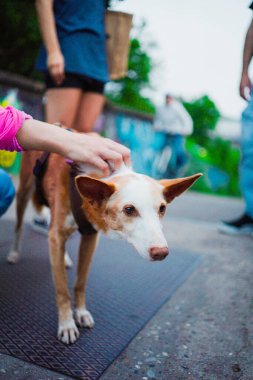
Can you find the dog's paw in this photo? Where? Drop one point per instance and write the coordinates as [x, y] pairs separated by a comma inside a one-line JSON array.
[[67, 261], [13, 257], [68, 332], [84, 318]]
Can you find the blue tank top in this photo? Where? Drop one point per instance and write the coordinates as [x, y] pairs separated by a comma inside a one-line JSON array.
[[81, 33]]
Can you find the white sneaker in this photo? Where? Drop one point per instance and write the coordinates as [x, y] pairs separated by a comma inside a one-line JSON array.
[[40, 222]]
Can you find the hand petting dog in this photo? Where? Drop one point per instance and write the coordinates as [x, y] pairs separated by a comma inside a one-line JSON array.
[[19, 131], [89, 148]]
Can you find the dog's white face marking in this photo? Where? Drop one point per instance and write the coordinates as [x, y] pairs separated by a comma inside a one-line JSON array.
[[140, 206]]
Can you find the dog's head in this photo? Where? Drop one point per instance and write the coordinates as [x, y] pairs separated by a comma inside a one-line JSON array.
[[132, 206]]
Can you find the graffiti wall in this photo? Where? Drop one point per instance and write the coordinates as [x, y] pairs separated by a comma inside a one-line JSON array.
[[23, 100], [138, 134]]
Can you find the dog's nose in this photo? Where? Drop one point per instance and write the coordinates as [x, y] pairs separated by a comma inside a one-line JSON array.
[[158, 253]]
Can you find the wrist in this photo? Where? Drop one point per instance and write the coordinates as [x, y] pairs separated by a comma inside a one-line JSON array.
[[55, 50], [245, 73], [64, 142]]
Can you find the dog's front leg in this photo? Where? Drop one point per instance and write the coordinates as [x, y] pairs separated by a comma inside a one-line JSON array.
[[87, 247], [67, 330]]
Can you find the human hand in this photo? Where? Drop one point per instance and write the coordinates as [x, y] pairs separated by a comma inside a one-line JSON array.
[[55, 64], [82, 148], [97, 151], [245, 85]]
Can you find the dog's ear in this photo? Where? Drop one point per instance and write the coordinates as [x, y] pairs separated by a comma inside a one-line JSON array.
[[175, 187], [94, 189]]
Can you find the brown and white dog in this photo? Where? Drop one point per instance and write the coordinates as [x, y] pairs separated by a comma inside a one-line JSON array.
[[125, 205]]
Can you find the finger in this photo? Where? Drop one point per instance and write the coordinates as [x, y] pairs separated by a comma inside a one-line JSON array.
[[101, 165], [57, 80], [127, 158], [60, 78], [61, 75], [242, 94], [54, 74], [122, 150], [57, 73], [112, 156]]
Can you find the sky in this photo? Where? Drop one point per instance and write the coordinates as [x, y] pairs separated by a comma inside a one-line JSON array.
[[199, 47]]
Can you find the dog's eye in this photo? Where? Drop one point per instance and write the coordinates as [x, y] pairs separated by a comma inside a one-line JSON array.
[[162, 209], [130, 210]]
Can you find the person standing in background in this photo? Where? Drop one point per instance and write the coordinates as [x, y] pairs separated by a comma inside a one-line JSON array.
[[73, 60], [173, 120], [244, 224]]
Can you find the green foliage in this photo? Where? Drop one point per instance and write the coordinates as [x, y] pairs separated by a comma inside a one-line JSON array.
[[205, 115], [213, 156], [20, 37], [219, 155], [128, 92], [210, 154]]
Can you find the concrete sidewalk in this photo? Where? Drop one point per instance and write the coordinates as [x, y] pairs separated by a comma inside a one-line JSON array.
[[205, 331]]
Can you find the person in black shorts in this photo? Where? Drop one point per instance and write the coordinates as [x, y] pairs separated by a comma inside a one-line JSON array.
[[73, 59]]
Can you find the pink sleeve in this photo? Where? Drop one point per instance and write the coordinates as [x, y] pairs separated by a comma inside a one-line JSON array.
[[11, 120]]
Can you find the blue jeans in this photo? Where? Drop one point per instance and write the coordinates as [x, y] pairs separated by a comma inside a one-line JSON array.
[[246, 167], [7, 191], [179, 157]]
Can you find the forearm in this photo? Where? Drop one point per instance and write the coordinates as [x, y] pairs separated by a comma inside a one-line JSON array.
[[19, 132], [47, 25], [79, 147], [248, 49], [37, 135]]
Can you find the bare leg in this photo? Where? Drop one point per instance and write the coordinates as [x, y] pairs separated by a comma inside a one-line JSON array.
[[87, 247], [91, 105], [62, 105]]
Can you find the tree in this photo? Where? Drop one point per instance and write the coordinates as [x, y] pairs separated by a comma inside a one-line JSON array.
[[129, 91], [205, 116], [210, 153], [20, 37]]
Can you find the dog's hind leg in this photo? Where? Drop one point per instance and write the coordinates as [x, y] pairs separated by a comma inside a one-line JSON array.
[[87, 247], [24, 193]]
